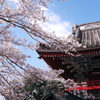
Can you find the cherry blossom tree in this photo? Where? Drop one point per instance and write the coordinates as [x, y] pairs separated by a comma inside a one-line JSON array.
[[26, 15]]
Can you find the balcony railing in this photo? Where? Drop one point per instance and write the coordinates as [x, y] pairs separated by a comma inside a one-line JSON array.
[[89, 85]]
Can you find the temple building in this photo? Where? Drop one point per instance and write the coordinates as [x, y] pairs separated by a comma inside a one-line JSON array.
[[84, 69]]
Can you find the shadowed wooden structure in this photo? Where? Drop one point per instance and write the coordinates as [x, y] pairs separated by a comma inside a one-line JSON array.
[[51, 96], [55, 91], [84, 68]]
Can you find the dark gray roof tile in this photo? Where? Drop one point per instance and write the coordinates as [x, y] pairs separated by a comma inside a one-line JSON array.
[[88, 35]]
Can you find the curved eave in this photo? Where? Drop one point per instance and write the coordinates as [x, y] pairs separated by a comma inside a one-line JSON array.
[[58, 52], [54, 59]]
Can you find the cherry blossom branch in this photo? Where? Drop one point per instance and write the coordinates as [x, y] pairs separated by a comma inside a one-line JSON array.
[[3, 94], [15, 68], [60, 42], [7, 81], [23, 68]]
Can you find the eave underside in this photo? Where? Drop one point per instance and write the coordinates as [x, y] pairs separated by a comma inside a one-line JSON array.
[[77, 68]]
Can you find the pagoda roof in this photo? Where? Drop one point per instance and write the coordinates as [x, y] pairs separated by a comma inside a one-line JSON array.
[[87, 34], [77, 67], [82, 68]]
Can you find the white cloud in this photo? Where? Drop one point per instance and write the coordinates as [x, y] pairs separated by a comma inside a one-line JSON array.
[[61, 28]]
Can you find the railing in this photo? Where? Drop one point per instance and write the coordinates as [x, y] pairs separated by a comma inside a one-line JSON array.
[[89, 85]]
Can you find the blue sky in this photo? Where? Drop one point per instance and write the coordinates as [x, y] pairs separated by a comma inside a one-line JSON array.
[[62, 16], [77, 11]]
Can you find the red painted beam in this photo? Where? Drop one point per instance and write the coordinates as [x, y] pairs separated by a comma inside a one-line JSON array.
[[84, 88]]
